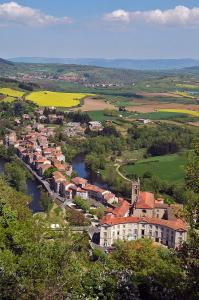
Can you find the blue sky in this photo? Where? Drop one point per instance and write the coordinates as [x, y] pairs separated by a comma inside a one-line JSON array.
[[100, 28]]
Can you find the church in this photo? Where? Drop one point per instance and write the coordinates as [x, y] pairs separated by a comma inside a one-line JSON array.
[[144, 217]]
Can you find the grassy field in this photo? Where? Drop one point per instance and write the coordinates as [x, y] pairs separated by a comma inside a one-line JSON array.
[[181, 111], [99, 116], [154, 116], [11, 92], [46, 98], [169, 167]]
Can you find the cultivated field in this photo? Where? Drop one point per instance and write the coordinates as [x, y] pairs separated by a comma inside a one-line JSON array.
[[47, 98], [11, 92], [91, 104], [157, 106], [182, 111]]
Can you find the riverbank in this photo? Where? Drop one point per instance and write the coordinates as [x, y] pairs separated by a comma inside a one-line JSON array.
[[33, 189], [79, 166]]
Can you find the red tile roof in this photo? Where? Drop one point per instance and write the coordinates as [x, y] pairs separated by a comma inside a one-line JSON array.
[[79, 180], [58, 176], [45, 167], [93, 188], [122, 209], [109, 196], [81, 190], [146, 201], [60, 167], [109, 220], [161, 205], [173, 224]]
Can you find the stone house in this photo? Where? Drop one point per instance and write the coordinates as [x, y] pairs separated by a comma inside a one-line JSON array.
[[170, 233]]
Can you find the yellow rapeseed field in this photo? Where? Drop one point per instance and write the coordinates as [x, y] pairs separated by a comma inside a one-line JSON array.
[[11, 92], [182, 111], [47, 98]]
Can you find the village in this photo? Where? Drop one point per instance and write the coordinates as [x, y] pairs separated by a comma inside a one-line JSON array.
[[142, 217]]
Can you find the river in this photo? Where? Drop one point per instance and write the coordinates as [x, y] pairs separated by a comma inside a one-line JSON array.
[[80, 167], [32, 190]]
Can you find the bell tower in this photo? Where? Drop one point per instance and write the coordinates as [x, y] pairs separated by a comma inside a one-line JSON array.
[[135, 191]]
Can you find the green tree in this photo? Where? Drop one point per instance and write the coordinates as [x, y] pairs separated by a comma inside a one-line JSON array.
[[45, 201], [192, 172], [49, 172], [16, 175]]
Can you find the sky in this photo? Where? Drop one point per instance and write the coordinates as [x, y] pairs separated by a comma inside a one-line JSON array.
[[137, 29]]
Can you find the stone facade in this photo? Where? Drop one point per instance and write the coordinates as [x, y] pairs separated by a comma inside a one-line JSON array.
[[168, 233]]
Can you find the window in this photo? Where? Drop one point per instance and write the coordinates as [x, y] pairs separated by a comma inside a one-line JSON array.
[[135, 231], [105, 234], [150, 232], [124, 226], [113, 233]]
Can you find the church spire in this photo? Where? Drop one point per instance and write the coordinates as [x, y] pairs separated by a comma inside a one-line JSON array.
[[135, 191]]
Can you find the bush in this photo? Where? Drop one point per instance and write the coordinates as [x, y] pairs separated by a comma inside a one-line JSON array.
[[81, 203], [76, 218]]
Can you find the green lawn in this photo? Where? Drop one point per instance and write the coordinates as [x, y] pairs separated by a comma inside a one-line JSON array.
[[160, 115], [99, 116], [169, 167]]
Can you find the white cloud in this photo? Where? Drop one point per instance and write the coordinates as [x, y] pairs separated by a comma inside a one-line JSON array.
[[12, 12], [180, 15], [118, 15]]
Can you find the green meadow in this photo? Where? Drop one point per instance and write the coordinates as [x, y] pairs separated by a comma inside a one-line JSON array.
[[170, 168]]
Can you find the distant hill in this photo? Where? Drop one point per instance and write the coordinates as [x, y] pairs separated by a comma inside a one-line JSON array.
[[192, 69], [132, 64], [6, 62]]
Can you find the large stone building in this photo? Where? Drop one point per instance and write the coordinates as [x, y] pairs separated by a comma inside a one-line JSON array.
[[145, 217]]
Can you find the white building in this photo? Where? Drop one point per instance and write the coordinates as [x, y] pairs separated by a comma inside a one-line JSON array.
[[166, 232]]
